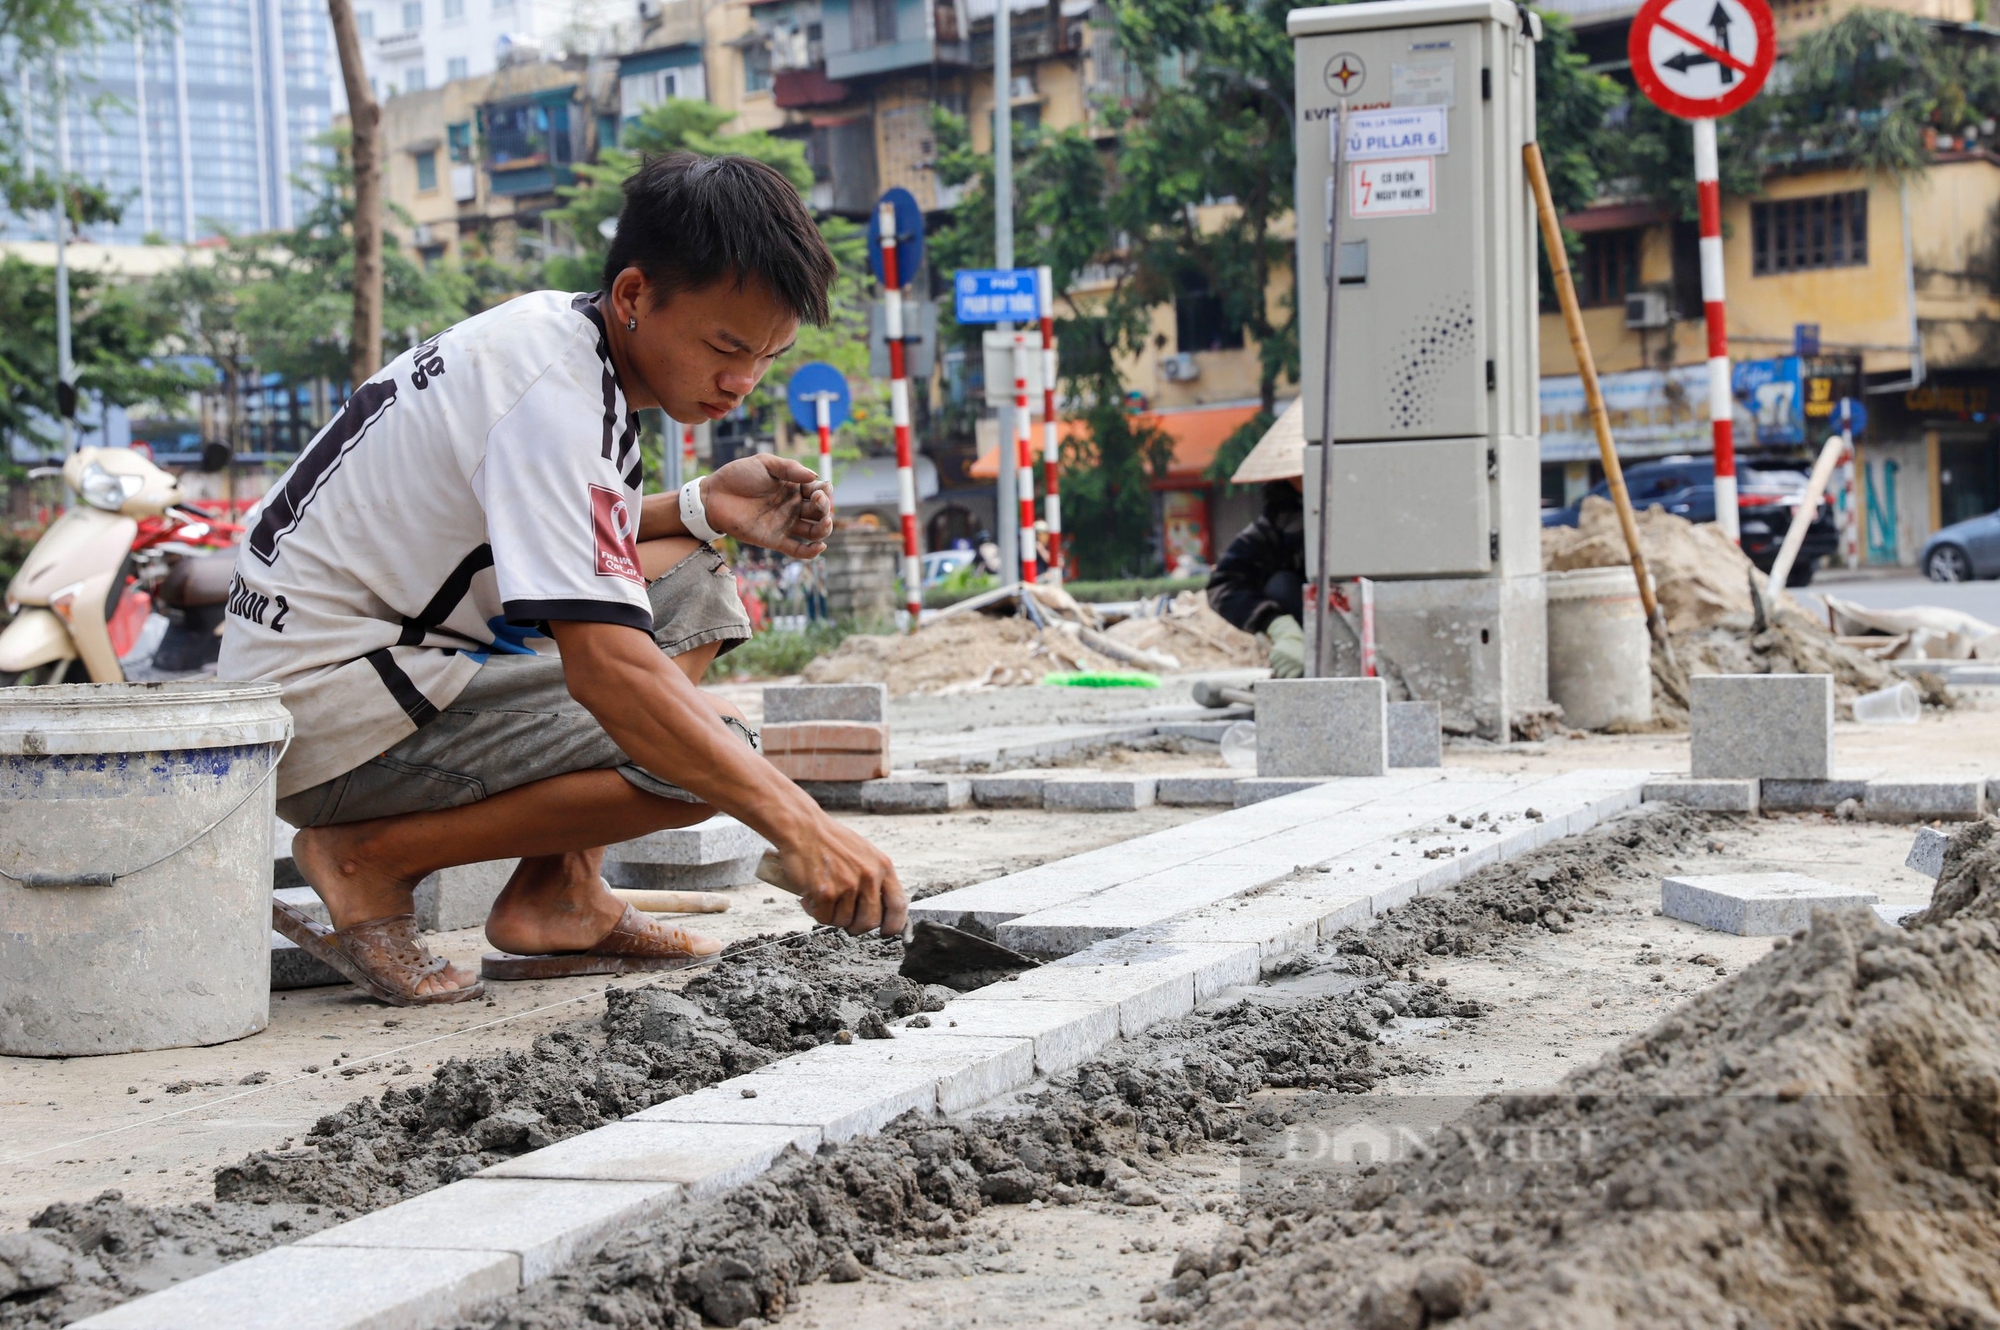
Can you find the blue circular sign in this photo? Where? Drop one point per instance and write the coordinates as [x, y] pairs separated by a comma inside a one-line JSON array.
[[909, 236], [808, 381], [1852, 412]]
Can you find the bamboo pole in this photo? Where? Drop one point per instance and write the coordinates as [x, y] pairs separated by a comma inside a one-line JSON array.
[[1614, 474]]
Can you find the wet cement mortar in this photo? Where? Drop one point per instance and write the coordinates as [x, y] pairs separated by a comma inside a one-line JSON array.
[[1814, 1142], [1237, 1074]]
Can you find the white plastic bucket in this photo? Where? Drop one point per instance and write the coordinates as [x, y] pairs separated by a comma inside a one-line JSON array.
[[135, 864], [1600, 654], [1898, 704]]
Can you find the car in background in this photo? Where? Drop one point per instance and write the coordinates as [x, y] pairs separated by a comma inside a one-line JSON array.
[[940, 564], [1766, 495], [1964, 551]]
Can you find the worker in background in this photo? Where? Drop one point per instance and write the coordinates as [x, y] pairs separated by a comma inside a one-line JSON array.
[[1259, 583]]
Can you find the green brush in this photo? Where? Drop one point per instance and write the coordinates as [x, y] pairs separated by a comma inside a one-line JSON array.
[[1102, 679]]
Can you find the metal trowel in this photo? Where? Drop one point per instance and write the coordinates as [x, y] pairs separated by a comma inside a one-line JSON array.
[[933, 953]]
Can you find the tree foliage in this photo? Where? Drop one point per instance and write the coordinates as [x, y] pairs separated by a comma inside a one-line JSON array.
[[117, 342]]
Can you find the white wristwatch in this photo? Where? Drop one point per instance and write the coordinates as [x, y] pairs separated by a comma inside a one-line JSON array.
[[694, 514]]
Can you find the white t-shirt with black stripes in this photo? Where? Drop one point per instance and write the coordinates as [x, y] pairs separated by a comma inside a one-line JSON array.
[[481, 485]]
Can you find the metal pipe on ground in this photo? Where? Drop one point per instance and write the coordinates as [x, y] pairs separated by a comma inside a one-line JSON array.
[[1579, 341]]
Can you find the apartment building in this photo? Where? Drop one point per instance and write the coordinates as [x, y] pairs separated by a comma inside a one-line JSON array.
[[416, 45]]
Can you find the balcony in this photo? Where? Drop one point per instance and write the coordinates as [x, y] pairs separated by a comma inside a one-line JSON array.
[[530, 142], [865, 37]]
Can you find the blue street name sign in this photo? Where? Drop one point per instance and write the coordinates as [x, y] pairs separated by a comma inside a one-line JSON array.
[[993, 295]]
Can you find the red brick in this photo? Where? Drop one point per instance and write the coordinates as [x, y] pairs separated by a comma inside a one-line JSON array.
[[831, 766], [825, 736]]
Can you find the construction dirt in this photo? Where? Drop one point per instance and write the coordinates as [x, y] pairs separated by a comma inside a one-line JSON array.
[[1810, 1143], [1717, 622], [1685, 1206], [975, 651]]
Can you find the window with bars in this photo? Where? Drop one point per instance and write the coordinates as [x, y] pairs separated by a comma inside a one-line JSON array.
[[1608, 268], [1824, 231]]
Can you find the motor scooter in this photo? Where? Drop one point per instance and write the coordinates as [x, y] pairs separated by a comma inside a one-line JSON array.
[[83, 595]]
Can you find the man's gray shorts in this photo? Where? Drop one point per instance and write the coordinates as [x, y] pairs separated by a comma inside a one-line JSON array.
[[516, 722]]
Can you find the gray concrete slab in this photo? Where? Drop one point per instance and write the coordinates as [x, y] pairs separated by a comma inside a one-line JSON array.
[[324, 1288], [1713, 796], [915, 792], [839, 1110], [963, 1071], [1754, 904], [702, 1158], [1923, 800], [1761, 726], [1098, 793], [789, 703], [1064, 1034], [545, 1223], [1322, 727]]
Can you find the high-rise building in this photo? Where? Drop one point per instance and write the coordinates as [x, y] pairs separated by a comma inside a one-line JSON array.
[[202, 127]]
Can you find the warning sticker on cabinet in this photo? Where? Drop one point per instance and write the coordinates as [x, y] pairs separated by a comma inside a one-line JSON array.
[[1405, 188]]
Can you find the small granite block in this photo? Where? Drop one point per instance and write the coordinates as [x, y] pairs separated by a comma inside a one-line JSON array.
[[324, 1288], [1768, 726], [1102, 794], [1927, 852], [1921, 800], [1198, 789], [831, 766], [1256, 789], [460, 897], [916, 792], [1713, 796], [702, 1158], [681, 877], [1416, 735], [837, 794], [1010, 789], [720, 839], [867, 703], [824, 736], [1065, 1034], [1322, 727], [547, 1223], [294, 967], [840, 1109], [1794, 796], [1754, 904]]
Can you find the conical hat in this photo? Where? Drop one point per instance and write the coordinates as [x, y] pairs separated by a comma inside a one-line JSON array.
[[1281, 453]]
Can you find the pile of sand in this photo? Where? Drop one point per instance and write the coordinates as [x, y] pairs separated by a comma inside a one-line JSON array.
[[1716, 625], [976, 650], [1811, 1143], [1193, 634]]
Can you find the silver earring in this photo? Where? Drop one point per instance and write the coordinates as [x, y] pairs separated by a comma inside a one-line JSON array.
[[631, 325]]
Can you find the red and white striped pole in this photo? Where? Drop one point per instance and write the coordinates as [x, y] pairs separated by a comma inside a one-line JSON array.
[[687, 453], [1023, 458], [1721, 400], [899, 415], [823, 417], [1045, 283]]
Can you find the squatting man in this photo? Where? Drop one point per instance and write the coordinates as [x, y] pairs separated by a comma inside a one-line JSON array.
[[486, 656]]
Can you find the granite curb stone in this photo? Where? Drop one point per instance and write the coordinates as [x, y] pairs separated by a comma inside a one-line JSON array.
[[702, 1159], [1921, 800], [1713, 796], [1416, 734], [867, 703], [1754, 904], [1322, 727], [1927, 852], [1098, 793], [916, 792]]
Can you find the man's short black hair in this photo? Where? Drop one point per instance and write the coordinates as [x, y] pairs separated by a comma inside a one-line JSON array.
[[689, 221]]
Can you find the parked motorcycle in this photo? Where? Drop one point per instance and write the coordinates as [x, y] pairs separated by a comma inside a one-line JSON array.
[[83, 596]]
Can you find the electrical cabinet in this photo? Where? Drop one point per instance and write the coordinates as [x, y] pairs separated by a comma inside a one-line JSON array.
[[1436, 414]]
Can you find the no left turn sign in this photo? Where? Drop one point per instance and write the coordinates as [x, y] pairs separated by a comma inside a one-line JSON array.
[[1702, 59]]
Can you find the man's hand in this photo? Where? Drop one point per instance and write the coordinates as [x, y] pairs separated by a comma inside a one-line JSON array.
[[844, 881], [772, 502]]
